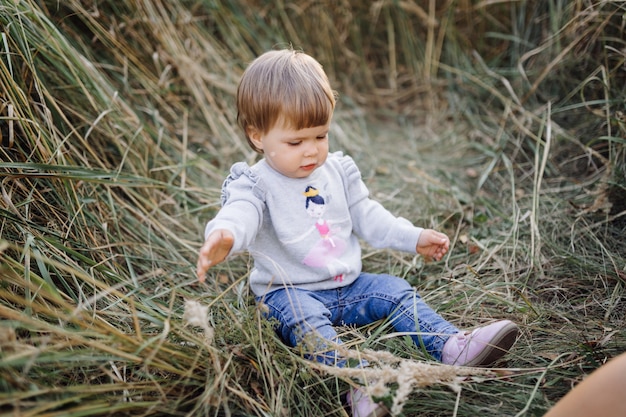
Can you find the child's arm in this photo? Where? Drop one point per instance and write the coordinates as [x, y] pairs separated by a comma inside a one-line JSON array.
[[381, 229], [235, 226], [214, 250], [432, 244]]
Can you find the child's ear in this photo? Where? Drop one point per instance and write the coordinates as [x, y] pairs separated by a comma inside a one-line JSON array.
[[255, 137]]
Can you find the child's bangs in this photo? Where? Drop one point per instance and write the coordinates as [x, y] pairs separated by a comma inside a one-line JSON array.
[[307, 107]]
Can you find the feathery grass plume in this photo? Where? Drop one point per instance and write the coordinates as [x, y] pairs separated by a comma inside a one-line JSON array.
[[405, 375], [198, 315]]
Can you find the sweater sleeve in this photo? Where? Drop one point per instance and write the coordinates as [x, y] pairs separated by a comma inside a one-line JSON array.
[[371, 221], [242, 209]]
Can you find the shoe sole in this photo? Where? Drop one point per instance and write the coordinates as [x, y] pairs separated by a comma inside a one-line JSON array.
[[380, 411], [500, 344]]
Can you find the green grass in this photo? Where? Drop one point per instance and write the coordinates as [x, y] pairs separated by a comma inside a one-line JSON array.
[[501, 124]]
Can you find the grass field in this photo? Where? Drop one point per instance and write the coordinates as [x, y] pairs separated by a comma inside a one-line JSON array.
[[502, 123]]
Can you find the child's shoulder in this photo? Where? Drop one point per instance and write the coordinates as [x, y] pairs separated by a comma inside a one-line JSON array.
[[243, 179], [344, 164], [241, 171]]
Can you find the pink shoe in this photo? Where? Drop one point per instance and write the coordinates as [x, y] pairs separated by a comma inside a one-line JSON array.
[[481, 347], [361, 405]]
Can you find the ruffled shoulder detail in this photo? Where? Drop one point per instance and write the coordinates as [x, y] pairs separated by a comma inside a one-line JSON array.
[[354, 188], [348, 166], [241, 177]]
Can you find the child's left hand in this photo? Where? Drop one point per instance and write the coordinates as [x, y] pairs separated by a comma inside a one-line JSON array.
[[432, 244]]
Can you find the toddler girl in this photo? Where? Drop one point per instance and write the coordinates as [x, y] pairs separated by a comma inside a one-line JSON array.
[[300, 211]]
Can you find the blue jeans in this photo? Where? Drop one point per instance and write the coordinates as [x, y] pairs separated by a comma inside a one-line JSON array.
[[301, 313]]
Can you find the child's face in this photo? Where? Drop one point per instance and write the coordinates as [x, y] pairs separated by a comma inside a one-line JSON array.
[[293, 153]]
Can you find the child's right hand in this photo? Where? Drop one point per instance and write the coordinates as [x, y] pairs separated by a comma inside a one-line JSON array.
[[214, 250]]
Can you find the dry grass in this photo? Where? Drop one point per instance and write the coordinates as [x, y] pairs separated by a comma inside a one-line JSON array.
[[501, 123]]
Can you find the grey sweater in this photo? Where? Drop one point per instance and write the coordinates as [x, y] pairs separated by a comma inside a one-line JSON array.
[[304, 232]]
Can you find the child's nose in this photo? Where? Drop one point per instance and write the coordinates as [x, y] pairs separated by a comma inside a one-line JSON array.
[[311, 149]]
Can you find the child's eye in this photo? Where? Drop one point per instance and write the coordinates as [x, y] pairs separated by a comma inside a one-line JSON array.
[[323, 136], [295, 143]]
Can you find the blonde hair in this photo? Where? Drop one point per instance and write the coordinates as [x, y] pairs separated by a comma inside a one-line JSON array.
[[284, 84]]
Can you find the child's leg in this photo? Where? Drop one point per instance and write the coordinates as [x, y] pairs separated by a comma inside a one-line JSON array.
[[374, 297], [377, 297], [303, 317], [301, 313]]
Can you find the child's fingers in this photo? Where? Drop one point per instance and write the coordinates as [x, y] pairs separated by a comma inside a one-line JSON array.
[[204, 261], [213, 251]]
